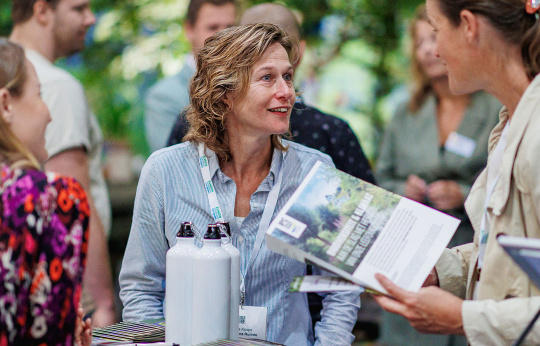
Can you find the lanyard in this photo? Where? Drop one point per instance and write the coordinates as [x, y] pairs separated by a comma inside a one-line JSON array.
[[269, 208], [209, 186]]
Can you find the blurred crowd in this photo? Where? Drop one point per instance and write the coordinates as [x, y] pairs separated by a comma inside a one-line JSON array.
[[462, 142]]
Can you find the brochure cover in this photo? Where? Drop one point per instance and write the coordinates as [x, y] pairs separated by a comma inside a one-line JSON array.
[[525, 252], [356, 229]]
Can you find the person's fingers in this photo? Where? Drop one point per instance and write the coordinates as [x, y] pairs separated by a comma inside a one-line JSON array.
[[435, 190], [87, 337], [391, 305], [392, 289], [418, 184]]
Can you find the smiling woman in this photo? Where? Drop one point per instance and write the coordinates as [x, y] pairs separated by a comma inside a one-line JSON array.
[[218, 94], [491, 45], [241, 99], [432, 152], [44, 220]]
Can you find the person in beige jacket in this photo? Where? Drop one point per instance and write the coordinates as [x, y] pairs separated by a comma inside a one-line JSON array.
[[491, 45]]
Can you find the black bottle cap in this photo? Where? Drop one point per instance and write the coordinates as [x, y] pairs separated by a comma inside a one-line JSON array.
[[212, 232], [186, 230], [225, 226]]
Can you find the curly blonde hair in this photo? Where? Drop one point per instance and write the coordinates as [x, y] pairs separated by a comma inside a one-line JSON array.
[[224, 65], [13, 77]]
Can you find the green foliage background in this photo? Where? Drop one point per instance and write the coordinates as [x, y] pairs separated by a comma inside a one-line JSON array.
[[136, 42]]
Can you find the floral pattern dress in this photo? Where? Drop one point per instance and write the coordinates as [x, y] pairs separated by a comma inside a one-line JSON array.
[[43, 243]]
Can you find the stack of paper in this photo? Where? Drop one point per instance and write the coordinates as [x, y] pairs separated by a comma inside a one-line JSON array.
[[130, 332]]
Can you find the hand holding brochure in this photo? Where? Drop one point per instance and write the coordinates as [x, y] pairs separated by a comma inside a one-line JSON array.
[[355, 229]]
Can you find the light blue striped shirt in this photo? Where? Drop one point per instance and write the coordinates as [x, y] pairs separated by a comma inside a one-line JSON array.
[[171, 190]]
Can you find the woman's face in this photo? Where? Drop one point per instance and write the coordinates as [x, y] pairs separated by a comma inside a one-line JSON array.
[[267, 105], [30, 116], [451, 48], [424, 50]]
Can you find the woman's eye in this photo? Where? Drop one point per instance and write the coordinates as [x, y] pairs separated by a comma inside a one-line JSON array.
[[266, 78], [288, 77]]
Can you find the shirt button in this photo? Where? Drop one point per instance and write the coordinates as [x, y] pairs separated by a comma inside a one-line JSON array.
[[240, 239]]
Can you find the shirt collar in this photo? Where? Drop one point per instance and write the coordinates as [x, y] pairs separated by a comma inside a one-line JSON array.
[[275, 166], [278, 158], [37, 56]]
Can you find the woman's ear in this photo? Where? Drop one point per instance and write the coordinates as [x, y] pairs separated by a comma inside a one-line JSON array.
[[469, 24], [6, 105], [228, 99]]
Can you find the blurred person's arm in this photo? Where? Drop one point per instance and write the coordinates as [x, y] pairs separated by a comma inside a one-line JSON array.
[[453, 269], [97, 276]]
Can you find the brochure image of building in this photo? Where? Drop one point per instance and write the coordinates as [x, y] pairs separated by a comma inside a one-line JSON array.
[[356, 229]]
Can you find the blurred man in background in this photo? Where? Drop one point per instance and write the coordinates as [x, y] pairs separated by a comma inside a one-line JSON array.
[[165, 100], [49, 30]]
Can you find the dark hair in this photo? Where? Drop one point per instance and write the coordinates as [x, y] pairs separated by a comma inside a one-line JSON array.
[[511, 21], [22, 10], [225, 64], [195, 6]]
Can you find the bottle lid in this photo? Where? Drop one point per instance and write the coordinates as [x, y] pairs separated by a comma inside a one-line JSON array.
[[186, 230], [212, 232], [225, 226]]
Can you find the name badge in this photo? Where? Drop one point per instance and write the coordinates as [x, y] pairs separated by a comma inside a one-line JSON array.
[[253, 322], [460, 145]]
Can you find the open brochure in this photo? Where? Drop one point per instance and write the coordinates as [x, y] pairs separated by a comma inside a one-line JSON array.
[[355, 229], [525, 252]]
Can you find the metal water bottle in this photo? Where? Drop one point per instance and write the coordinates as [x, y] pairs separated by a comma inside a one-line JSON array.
[[227, 245], [211, 290], [178, 287]]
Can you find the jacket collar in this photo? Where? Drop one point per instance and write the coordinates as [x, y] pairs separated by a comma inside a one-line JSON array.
[[520, 121]]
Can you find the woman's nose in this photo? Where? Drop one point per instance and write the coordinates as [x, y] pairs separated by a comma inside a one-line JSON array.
[[285, 89]]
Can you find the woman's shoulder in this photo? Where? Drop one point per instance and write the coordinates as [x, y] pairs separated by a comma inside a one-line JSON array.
[[40, 192], [172, 162], [22, 180], [403, 114], [173, 153], [305, 154]]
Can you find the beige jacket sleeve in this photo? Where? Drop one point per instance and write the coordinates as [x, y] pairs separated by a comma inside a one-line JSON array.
[[452, 269], [488, 322]]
